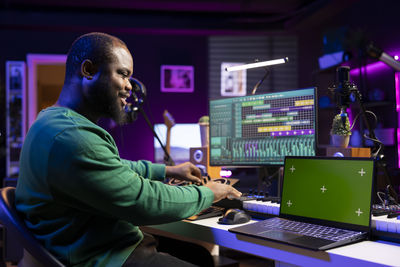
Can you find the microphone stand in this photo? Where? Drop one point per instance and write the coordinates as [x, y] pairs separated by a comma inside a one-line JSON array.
[[264, 178], [377, 152], [378, 53], [146, 118], [378, 147], [139, 93]]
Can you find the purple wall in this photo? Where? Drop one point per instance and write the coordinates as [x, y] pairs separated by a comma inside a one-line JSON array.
[[32, 32], [149, 52], [135, 141]]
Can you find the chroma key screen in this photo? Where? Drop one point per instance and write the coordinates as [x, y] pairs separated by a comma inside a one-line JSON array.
[[334, 189]]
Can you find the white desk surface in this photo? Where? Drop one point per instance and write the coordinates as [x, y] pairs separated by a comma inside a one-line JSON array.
[[364, 253]]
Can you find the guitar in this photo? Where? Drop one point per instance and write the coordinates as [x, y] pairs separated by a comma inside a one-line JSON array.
[[169, 122]]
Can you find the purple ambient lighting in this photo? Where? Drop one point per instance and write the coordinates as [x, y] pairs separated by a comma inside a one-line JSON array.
[[225, 173], [397, 86], [375, 67], [370, 68], [349, 115]]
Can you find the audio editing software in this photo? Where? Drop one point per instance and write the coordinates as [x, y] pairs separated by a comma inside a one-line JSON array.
[[263, 129]]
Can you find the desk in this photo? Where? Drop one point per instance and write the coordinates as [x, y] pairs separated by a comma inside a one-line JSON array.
[[365, 253]]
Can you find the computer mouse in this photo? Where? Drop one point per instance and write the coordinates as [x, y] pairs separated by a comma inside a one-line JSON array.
[[234, 216]]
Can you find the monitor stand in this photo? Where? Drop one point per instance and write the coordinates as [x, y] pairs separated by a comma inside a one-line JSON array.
[[268, 176]]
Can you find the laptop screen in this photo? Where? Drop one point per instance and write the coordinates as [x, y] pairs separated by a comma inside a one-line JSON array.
[[333, 189]]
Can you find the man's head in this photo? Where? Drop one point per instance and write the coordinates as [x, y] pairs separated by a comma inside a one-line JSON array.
[[97, 76], [95, 46]]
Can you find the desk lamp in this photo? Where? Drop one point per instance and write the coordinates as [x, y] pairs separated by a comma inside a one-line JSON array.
[[257, 64]]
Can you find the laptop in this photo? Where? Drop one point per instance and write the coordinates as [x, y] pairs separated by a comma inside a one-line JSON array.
[[326, 203]]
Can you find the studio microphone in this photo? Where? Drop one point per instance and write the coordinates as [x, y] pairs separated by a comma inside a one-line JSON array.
[[376, 52], [136, 100], [342, 91], [131, 112]]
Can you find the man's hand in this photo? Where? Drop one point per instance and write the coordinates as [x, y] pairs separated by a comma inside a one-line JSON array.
[[222, 191], [185, 172]]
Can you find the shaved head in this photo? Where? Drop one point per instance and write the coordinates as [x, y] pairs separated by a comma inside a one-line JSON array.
[[95, 47]]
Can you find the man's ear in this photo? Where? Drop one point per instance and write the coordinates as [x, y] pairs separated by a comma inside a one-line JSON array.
[[88, 69]]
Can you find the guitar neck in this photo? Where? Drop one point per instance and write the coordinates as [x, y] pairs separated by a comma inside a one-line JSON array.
[[168, 141], [169, 122]]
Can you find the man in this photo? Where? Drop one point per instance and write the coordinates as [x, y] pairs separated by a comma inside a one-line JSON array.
[[78, 197]]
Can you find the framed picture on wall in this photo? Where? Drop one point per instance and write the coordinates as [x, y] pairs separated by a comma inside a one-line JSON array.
[[233, 83], [177, 79]]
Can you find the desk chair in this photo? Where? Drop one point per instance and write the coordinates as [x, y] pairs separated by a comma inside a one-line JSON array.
[[12, 222]]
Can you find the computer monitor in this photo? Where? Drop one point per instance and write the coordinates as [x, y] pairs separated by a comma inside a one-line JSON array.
[[183, 137], [258, 130]]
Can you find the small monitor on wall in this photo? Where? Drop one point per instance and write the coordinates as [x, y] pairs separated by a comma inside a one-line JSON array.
[[183, 137], [258, 130]]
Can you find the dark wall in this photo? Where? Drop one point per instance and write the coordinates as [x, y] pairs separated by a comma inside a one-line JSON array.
[[152, 48], [15, 45], [362, 19], [378, 23], [149, 53], [371, 21]]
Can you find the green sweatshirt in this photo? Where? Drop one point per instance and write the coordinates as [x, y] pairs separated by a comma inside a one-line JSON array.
[[83, 202]]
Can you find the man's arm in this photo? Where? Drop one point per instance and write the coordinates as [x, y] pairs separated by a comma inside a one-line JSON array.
[[185, 172], [147, 169], [222, 191], [188, 172], [90, 176]]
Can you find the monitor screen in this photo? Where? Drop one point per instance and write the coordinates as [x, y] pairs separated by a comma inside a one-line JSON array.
[[183, 137], [315, 187], [262, 129]]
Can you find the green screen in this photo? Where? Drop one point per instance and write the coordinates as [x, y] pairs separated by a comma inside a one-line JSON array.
[[330, 189]]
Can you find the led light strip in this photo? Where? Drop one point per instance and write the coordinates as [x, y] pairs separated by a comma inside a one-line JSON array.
[[258, 64], [397, 86]]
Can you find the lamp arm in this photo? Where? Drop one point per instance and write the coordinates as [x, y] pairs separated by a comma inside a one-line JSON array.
[[267, 72]]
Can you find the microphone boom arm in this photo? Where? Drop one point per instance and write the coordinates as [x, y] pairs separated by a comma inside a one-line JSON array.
[[376, 52], [146, 118]]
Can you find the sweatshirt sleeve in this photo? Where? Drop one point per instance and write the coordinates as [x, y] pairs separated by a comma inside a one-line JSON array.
[[146, 169], [89, 175]]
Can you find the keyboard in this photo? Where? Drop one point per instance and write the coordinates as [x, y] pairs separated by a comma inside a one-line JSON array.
[[384, 226], [308, 229], [262, 207], [380, 210], [208, 213]]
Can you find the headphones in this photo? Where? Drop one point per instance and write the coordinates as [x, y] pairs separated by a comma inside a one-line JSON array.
[[136, 99]]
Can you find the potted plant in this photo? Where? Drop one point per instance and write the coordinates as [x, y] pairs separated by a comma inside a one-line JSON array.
[[341, 130]]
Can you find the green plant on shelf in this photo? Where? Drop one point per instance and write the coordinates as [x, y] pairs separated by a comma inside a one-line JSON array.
[[340, 128]]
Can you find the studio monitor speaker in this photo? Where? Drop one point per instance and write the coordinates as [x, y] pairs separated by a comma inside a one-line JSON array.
[[199, 157]]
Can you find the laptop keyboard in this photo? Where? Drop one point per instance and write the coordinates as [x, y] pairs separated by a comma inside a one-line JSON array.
[[308, 229]]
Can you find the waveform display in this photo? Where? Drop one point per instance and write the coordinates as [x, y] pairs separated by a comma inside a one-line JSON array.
[[263, 129], [259, 150]]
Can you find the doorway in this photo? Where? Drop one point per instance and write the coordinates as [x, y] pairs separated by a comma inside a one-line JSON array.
[[45, 80]]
